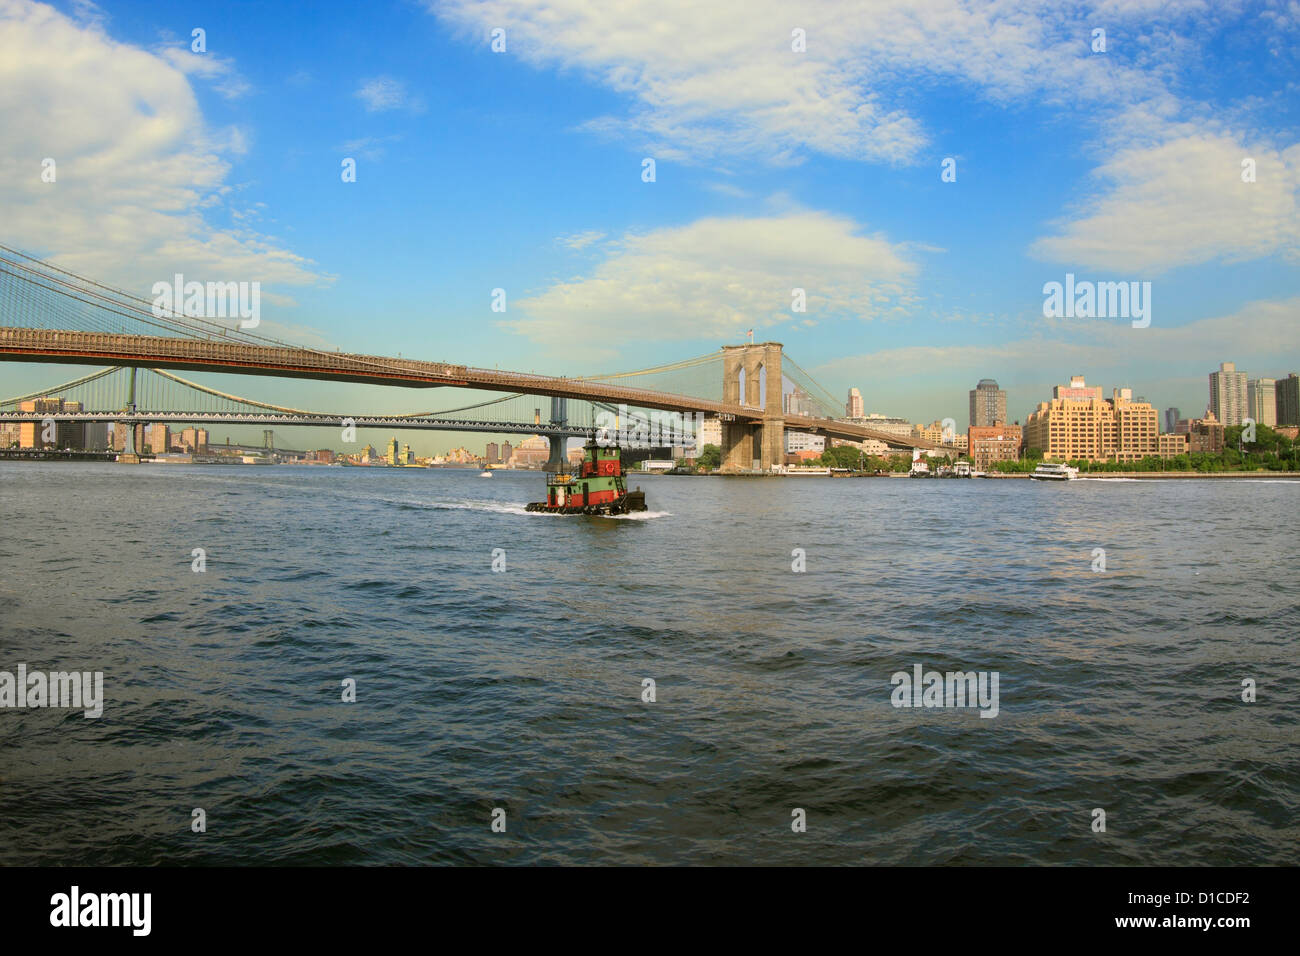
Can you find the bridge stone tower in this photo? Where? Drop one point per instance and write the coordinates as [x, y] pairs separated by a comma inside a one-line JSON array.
[[753, 445]]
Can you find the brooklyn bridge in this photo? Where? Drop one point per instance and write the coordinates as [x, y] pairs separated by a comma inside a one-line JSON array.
[[51, 315]]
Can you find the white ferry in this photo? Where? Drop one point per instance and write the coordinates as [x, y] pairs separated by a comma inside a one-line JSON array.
[[919, 470], [1054, 471]]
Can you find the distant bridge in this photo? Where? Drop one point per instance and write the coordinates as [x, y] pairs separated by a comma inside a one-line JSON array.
[[50, 315]]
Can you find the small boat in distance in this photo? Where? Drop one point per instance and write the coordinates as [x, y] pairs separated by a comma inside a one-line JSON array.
[[1054, 471], [485, 474], [597, 489]]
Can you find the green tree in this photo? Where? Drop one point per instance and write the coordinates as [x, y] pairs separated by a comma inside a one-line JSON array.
[[710, 458], [842, 456]]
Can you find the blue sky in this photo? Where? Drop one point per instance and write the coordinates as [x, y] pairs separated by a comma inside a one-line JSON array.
[[775, 169]]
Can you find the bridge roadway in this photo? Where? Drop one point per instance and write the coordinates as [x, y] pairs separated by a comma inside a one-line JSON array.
[[216, 355]]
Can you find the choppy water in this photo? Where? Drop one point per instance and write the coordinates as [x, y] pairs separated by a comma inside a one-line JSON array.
[[522, 689]]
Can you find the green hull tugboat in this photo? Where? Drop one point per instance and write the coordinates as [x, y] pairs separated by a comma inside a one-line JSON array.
[[597, 489]]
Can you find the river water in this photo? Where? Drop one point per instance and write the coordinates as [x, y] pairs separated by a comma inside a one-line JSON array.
[[521, 690]]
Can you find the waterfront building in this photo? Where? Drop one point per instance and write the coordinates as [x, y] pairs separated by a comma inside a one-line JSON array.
[[1171, 419], [10, 433], [1137, 429], [192, 440], [29, 433], [1261, 400], [1078, 424], [391, 457], [989, 443], [506, 453], [1228, 394], [1287, 392], [988, 404], [853, 408], [492, 455], [158, 439], [1203, 434], [802, 441], [531, 453], [1171, 444]]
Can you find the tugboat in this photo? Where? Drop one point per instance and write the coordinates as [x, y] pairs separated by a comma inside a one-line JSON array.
[[597, 489]]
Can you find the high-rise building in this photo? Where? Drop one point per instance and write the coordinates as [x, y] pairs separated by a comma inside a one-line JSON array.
[[158, 439], [853, 408], [1261, 400], [392, 452], [988, 404], [1228, 394], [1078, 424], [492, 456], [506, 452], [1287, 391], [1171, 420], [194, 440], [798, 402]]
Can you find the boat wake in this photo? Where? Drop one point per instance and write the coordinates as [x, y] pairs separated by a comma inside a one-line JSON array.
[[640, 516]]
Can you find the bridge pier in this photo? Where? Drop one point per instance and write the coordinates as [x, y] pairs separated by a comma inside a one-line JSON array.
[[556, 460], [757, 446], [130, 454]]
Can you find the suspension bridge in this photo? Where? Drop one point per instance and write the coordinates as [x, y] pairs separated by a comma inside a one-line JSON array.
[[51, 315]]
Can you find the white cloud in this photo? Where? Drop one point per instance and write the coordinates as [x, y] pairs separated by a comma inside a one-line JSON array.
[[707, 79], [383, 93], [138, 170], [717, 277], [580, 240], [1183, 202], [218, 71], [372, 148]]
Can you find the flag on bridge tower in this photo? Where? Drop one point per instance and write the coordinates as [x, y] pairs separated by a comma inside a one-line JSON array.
[[750, 333]]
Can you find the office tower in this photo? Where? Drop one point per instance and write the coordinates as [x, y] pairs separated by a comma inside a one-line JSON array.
[[988, 404]]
